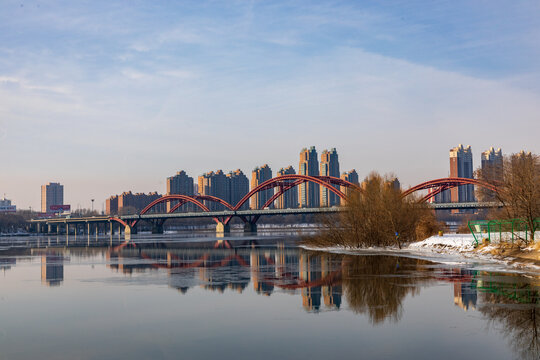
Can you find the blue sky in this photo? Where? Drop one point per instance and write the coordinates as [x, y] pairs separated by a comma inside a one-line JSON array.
[[113, 96]]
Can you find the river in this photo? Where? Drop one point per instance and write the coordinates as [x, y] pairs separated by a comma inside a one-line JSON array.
[[195, 296]]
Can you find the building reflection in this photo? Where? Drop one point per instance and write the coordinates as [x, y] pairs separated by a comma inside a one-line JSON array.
[[374, 286], [7, 263], [52, 269], [465, 294]]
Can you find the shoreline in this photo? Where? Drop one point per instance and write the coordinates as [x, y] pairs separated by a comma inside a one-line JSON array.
[[455, 249]]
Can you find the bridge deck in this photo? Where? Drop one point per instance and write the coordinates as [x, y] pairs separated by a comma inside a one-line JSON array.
[[247, 213]]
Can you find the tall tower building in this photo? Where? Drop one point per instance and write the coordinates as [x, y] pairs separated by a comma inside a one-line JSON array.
[[352, 177], [492, 169], [461, 165], [329, 167], [258, 176], [238, 187], [308, 195], [492, 164], [214, 184], [181, 184], [51, 194], [289, 200]]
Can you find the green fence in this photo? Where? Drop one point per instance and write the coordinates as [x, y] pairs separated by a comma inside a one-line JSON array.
[[501, 230]]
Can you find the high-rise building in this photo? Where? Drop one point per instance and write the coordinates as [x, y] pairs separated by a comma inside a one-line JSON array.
[[214, 184], [180, 184], [258, 176], [492, 164], [461, 165], [352, 177], [238, 187], [289, 199], [329, 167], [308, 195], [51, 194]]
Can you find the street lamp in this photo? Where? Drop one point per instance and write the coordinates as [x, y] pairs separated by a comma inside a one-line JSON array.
[[92, 206]]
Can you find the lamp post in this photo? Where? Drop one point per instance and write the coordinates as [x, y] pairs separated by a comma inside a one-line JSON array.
[[92, 206]]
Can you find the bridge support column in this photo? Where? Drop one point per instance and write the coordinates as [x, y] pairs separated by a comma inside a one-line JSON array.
[[222, 229], [133, 229], [250, 227], [157, 227]]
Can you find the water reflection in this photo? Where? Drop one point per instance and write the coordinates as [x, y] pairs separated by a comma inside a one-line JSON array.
[[373, 286], [381, 296], [52, 268], [515, 306]]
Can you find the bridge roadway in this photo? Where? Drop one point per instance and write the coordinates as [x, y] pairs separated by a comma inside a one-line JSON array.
[[106, 223]]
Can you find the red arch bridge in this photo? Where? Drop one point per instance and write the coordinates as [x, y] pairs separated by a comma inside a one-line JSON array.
[[153, 213]]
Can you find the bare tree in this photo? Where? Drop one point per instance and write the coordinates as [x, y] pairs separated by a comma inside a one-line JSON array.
[[376, 216], [518, 187]]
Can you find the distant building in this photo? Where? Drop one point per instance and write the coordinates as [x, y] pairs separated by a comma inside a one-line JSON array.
[[329, 167], [492, 164], [51, 194], [180, 184], [238, 184], [214, 184], [130, 203], [289, 200], [308, 194], [5, 206], [461, 165], [258, 176], [352, 177], [394, 183]]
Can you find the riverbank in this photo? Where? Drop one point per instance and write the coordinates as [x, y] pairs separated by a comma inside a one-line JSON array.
[[457, 248], [462, 244]]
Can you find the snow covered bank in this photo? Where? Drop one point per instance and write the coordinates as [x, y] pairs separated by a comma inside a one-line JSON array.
[[457, 249], [463, 244]]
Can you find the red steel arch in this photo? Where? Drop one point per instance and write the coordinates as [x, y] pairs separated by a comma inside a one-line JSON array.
[[444, 184], [118, 220], [203, 197], [286, 182], [168, 198]]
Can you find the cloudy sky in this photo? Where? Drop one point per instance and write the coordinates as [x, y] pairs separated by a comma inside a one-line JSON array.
[[107, 96]]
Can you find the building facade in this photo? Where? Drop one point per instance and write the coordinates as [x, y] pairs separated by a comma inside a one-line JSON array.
[[238, 184], [352, 177], [5, 206], [329, 167], [461, 165], [308, 192], [51, 194], [289, 199], [180, 184], [130, 203], [492, 164], [258, 176], [214, 184]]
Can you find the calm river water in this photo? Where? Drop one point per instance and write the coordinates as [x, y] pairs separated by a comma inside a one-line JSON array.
[[172, 297]]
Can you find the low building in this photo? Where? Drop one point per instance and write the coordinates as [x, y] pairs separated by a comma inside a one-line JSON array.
[[6, 206]]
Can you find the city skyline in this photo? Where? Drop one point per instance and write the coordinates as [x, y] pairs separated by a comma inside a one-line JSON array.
[[101, 204], [90, 92]]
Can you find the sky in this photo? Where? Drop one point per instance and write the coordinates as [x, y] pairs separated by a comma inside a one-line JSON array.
[[106, 97]]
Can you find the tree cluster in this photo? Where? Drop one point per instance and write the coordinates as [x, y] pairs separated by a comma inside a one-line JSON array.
[[377, 215]]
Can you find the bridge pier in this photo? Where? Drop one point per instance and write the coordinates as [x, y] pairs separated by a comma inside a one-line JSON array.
[[250, 227], [222, 229], [157, 227]]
